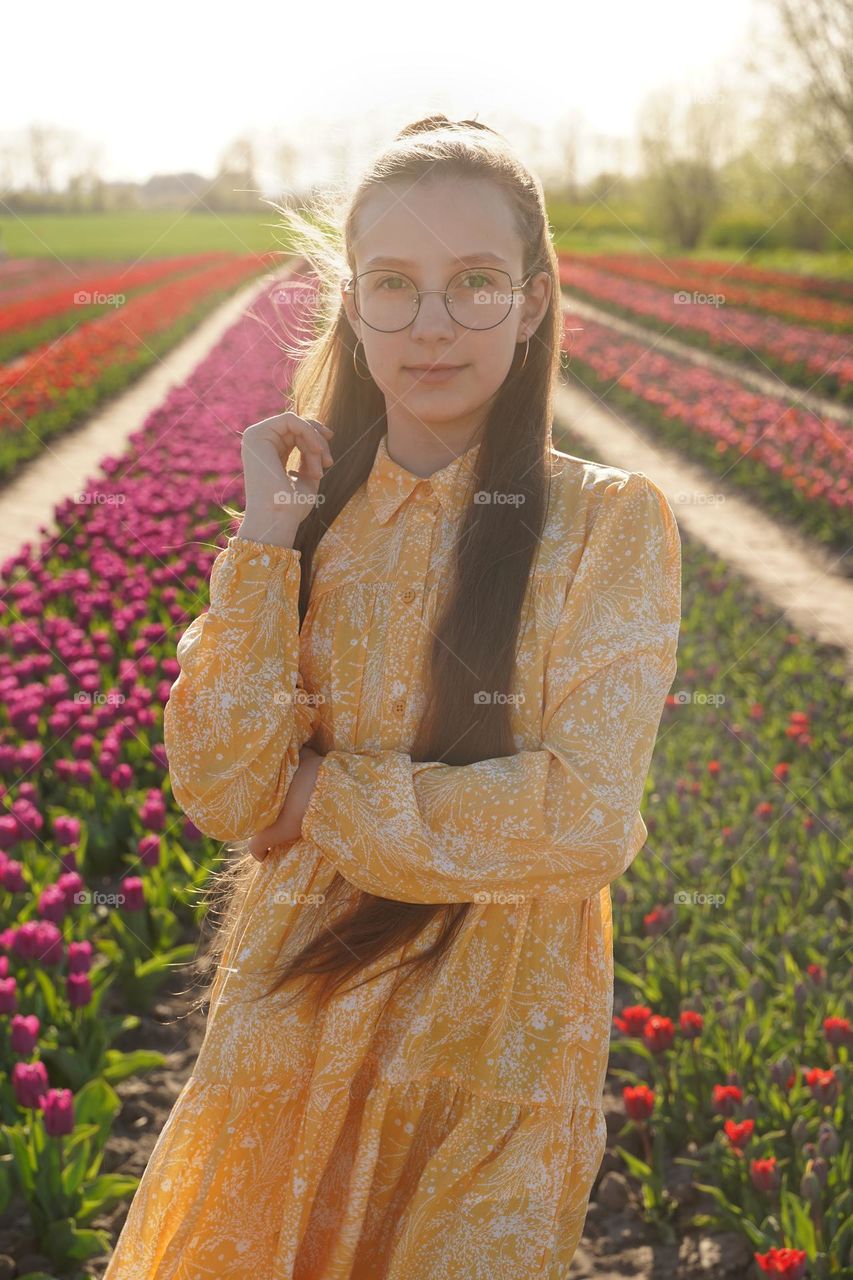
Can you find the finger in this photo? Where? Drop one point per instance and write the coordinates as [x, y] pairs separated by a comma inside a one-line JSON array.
[[322, 434]]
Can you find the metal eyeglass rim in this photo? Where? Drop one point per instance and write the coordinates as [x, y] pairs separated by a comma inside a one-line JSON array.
[[349, 287]]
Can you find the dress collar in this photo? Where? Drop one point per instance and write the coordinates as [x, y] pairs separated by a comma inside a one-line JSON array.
[[389, 484]]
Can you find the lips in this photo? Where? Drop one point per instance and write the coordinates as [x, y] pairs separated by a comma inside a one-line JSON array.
[[435, 373]]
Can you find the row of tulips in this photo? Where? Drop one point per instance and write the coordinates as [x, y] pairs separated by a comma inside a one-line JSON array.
[[53, 387], [100, 874], [758, 294], [796, 463], [23, 277], [42, 315], [766, 277], [732, 1036], [802, 356]]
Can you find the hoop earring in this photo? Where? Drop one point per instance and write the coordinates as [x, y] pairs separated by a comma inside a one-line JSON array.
[[526, 349], [369, 377]]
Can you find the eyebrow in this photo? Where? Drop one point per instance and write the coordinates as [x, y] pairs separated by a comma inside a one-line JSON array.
[[470, 258]]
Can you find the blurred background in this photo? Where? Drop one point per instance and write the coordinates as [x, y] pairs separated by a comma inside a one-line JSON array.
[[723, 128]]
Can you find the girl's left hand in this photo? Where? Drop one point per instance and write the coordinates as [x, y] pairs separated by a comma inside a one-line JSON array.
[[288, 825]]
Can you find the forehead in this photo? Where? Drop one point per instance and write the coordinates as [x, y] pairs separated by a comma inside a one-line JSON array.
[[436, 224]]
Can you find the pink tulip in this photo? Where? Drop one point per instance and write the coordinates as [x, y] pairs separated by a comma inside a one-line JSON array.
[[58, 1107]]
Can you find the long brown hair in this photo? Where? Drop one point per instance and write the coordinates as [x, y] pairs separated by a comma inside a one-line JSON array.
[[475, 638]]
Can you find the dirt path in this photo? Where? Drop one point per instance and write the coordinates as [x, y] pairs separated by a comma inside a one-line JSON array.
[[793, 573], [69, 461]]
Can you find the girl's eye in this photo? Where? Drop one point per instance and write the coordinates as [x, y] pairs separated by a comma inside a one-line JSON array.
[[392, 280], [475, 280]]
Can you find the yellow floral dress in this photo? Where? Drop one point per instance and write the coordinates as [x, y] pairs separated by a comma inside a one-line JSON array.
[[453, 1127]]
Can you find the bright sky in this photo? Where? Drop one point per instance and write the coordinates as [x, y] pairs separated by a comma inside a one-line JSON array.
[[164, 87]]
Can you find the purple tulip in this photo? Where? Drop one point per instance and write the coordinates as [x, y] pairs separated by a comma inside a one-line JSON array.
[[79, 956], [10, 832], [25, 1031], [8, 995], [134, 895], [66, 830], [52, 903], [29, 1081], [12, 876], [70, 883], [149, 850], [58, 1107], [122, 777], [78, 988]]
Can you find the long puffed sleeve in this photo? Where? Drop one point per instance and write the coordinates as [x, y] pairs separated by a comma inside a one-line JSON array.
[[561, 821], [237, 714]]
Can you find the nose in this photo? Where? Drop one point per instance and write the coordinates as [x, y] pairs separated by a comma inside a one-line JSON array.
[[433, 318]]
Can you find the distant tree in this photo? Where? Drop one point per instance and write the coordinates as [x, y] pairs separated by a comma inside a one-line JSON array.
[[808, 54], [682, 145]]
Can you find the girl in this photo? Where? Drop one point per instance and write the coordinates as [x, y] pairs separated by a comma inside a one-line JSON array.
[[423, 702]]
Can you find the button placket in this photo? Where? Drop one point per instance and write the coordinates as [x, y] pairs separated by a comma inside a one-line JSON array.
[[402, 640]]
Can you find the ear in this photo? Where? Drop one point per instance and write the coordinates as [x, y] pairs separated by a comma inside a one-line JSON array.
[[351, 313], [537, 296]]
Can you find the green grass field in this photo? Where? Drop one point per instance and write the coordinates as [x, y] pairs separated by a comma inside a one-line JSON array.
[[128, 236]]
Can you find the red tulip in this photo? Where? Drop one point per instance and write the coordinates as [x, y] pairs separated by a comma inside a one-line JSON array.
[[764, 1174], [739, 1132], [837, 1030], [691, 1024], [633, 1019], [823, 1084], [725, 1098], [658, 1034], [639, 1101], [783, 1264]]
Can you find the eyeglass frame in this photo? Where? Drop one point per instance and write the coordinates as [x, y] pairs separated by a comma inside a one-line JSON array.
[[350, 283]]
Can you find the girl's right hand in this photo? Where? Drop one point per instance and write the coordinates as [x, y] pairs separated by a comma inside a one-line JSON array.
[[271, 490]]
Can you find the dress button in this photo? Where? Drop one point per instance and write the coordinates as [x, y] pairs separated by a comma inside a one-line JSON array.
[[408, 595], [399, 706]]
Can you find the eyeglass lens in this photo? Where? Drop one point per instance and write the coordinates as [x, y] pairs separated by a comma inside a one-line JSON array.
[[477, 299]]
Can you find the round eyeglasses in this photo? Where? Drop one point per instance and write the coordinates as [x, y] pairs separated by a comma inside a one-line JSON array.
[[477, 298]]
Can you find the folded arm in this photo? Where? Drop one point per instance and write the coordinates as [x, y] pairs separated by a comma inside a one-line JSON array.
[[560, 821]]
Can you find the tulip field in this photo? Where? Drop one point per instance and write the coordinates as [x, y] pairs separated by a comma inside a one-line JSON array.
[[728, 1101], [65, 349], [807, 345]]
